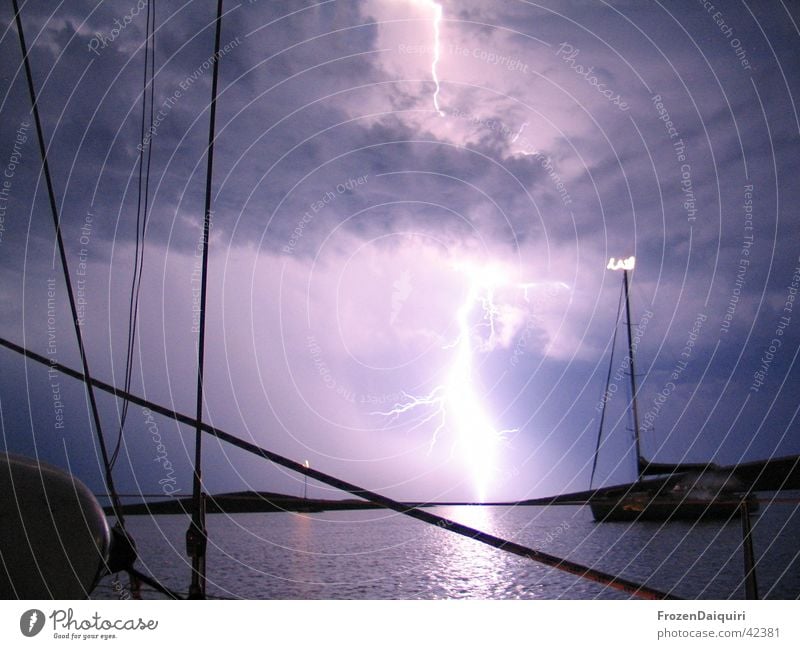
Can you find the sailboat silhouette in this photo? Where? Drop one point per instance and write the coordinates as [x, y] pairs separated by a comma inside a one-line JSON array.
[[690, 491]]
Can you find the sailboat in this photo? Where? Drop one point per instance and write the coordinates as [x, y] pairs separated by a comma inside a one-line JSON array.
[[680, 491]]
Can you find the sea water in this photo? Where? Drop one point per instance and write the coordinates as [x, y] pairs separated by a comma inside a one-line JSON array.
[[379, 554]]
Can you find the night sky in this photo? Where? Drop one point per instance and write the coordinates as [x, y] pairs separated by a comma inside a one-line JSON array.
[[411, 200]]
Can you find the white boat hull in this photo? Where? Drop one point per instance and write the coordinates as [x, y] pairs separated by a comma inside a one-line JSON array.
[[54, 537]]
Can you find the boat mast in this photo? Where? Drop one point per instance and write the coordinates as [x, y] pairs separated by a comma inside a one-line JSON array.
[[625, 265], [196, 535], [634, 407]]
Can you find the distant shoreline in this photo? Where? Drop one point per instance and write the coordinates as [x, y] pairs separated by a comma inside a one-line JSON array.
[[247, 502], [264, 502]]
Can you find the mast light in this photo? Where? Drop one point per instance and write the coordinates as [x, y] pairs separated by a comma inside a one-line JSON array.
[[621, 264]]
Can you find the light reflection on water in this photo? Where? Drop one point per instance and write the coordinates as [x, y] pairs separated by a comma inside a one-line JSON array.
[[383, 555]]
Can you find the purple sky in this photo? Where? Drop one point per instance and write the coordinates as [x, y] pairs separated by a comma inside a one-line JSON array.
[[364, 219]]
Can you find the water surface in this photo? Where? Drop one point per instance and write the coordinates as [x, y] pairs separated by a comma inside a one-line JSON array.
[[379, 554]]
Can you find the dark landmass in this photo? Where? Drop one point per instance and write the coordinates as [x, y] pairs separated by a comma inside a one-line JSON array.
[[776, 474], [245, 502]]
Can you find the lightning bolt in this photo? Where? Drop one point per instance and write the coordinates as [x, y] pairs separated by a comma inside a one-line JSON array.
[[32, 621], [456, 404], [437, 19], [519, 132], [437, 10]]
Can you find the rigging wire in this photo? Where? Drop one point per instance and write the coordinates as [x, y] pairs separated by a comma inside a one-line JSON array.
[[605, 392], [109, 479], [142, 212]]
